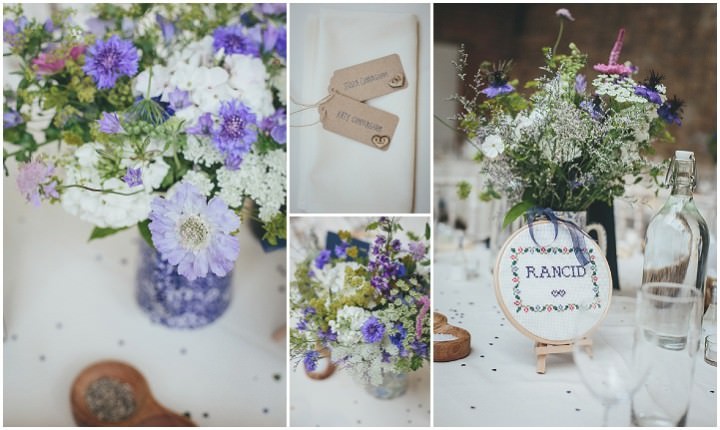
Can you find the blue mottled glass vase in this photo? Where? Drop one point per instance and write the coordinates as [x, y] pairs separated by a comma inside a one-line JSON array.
[[393, 385], [172, 300]]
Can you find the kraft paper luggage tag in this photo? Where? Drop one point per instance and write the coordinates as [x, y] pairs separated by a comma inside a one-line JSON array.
[[358, 121], [371, 79]]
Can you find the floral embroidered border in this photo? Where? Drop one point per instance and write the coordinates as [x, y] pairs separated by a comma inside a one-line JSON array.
[[541, 250]]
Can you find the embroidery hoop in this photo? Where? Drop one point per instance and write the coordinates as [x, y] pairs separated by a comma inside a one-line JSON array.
[[529, 326]]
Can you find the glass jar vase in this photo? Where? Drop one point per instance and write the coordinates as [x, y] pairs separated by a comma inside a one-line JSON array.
[[393, 385], [174, 301]]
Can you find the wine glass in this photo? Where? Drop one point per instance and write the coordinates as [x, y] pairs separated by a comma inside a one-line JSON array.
[[609, 365]]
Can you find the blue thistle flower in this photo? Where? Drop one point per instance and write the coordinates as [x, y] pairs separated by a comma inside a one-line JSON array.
[[671, 110]]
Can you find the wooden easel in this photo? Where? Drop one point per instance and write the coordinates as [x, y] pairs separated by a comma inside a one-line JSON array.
[[542, 350]]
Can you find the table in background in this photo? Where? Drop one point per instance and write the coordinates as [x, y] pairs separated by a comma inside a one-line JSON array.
[[496, 385], [69, 303]]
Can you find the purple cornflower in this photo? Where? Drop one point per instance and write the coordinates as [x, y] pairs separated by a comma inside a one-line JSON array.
[[236, 132], [194, 234], [322, 259], [302, 325], [420, 348], [106, 61], [309, 310], [671, 110], [327, 336], [398, 337], [400, 270], [133, 177], [166, 26], [49, 26], [179, 99], [649, 90], [203, 127], [395, 245], [34, 180], [580, 83], [275, 125], [11, 119], [110, 123], [275, 38], [310, 360], [385, 356], [417, 250], [612, 67], [341, 250], [373, 330], [232, 40], [594, 108]]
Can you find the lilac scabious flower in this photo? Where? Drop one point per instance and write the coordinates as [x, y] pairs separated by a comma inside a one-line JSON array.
[[204, 126], [270, 8], [564, 13], [322, 259], [133, 177], [671, 110], [236, 132], [417, 250], [232, 40], [193, 234], [424, 301], [310, 360], [373, 330], [11, 119], [106, 61], [110, 123], [612, 67], [35, 181], [650, 88]]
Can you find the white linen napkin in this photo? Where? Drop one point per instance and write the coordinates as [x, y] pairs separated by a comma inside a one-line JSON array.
[[331, 173]]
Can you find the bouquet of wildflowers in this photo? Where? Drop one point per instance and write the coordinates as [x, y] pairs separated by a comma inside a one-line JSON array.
[[371, 312], [569, 142], [169, 117]]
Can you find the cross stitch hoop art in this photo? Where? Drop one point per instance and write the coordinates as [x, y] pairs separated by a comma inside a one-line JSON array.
[[542, 288]]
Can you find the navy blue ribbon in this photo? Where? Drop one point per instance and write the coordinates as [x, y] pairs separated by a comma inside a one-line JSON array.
[[576, 233]]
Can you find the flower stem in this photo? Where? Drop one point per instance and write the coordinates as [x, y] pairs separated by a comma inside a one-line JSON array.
[[99, 190], [456, 131], [557, 41], [14, 153]]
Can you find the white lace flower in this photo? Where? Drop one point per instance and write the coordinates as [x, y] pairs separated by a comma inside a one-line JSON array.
[[248, 76], [347, 324], [200, 150], [200, 180], [492, 146], [261, 177], [279, 82]]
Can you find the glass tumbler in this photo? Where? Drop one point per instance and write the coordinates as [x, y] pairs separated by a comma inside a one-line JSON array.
[[668, 331]]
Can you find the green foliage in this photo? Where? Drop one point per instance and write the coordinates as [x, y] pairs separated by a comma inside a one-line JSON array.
[[463, 189], [275, 229], [100, 232]]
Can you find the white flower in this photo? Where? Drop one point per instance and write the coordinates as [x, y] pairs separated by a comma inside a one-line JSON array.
[[248, 76], [39, 119], [200, 180], [159, 84], [261, 177], [200, 150], [208, 99], [108, 209], [347, 324], [492, 146]]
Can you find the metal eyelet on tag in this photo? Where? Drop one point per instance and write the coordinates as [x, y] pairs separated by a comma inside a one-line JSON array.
[[397, 81]]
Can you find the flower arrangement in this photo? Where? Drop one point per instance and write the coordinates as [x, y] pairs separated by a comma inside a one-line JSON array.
[[170, 117], [371, 312], [569, 142]]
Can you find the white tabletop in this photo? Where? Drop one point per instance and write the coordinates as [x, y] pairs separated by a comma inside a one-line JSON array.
[[496, 385], [68, 303]]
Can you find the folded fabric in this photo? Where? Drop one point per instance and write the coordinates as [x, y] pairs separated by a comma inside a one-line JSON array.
[[331, 173]]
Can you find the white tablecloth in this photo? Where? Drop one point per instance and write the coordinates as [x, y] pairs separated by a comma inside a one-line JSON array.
[[496, 385], [69, 303]]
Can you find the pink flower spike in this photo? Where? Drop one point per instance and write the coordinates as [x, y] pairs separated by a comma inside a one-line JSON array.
[[425, 301], [612, 67], [77, 51]]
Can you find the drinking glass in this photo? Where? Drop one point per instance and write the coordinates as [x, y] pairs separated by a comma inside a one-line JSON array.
[[668, 319], [609, 365]]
